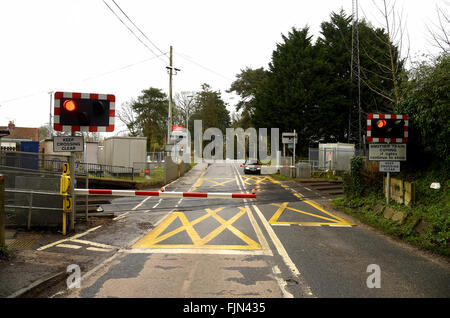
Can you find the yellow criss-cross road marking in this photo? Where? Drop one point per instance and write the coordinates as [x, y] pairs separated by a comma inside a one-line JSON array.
[[335, 220], [153, 239], [258, 180], [215, 183]]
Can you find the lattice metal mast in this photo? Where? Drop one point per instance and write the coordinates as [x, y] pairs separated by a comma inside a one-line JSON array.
[[355, 68]]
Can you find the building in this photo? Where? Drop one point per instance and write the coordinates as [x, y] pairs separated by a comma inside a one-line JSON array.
[[16, 136]]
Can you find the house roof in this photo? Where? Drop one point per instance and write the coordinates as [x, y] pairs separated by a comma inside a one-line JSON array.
[[22, 133]]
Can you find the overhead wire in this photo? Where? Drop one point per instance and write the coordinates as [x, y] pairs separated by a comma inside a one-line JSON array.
[[138, 28], [137, 37]]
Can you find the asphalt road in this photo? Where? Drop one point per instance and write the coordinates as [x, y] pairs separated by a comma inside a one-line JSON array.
[[282, 244]]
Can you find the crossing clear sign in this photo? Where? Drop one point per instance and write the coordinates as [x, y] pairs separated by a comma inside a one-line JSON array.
[[68, 144], [389, 166], [288, 138]]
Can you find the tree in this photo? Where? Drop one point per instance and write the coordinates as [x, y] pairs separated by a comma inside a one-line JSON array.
[[426, 101], [184, 105], [382, 49], [128, 116], [147, 115], [211, 109], [246, 85], [441, 32], [286, 97], [43, 132]]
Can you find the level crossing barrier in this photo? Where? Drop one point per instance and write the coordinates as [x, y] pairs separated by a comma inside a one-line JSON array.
[[164, 194]]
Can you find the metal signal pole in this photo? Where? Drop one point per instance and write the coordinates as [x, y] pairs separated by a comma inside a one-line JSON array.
[[355, 64]]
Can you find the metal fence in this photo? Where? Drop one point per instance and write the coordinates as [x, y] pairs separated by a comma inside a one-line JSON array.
[[31, 197], [33, 161], [101, 170], [54, 163], [156, 156], [332, 158]]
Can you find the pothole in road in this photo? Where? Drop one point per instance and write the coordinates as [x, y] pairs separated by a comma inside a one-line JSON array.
[[145, 225], [291, 281]]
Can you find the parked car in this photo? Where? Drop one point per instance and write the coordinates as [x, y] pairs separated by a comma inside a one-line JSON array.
[[252, 166]]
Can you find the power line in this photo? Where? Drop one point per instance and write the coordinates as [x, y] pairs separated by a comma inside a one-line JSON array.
[[137, 27], [137, 37], [84, 79], [203, 67]]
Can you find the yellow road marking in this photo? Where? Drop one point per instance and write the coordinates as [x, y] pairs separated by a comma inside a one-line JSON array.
[[258, 180], [282, 207], [154, 237], [215, 183]]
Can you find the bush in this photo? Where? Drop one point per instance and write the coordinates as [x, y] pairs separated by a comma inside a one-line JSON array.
[[353, 184]]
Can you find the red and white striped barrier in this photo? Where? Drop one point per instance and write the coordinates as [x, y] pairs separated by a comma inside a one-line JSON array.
[[163, 194], [261, 166]]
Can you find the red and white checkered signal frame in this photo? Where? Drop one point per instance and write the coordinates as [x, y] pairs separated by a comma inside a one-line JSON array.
[[387, 116], [57, 110]]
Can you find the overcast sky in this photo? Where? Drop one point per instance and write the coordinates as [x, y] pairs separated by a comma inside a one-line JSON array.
[[81, 46]]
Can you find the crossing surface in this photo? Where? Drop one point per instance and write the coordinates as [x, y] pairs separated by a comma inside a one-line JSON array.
[[284, 243]]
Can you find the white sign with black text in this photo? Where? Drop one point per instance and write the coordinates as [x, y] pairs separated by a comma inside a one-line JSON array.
[[387, 152], [389, 166], [68, 144]]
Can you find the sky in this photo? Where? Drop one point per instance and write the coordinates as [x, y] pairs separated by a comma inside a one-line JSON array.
[[81, 46]]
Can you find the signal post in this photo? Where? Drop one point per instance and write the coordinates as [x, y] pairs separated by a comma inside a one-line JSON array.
[[387, 135], [83, 112]]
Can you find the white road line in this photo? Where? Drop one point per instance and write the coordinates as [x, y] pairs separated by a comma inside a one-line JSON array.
[[97, 249], [75, 247], [276, 241], [308, 189], [133, 209], [281, 282], [94, 244], [159, 201], [68, 239]]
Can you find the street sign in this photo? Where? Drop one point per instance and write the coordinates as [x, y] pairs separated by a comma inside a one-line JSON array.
[[387, 152], [178, 128], [389, 166], [68, 144], [288, 138]]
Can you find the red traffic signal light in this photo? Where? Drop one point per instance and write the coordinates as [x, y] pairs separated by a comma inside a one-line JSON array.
[[84, 112], [387, 128], [69, 105], [381, 123]]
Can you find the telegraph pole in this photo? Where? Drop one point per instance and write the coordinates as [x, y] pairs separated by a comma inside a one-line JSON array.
[[171, 69], [169, 121]]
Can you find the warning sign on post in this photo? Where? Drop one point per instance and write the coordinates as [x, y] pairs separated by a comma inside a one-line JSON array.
[[387, 152], [68, 144], [389, 166]]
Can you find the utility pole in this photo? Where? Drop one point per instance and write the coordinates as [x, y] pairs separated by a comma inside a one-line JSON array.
[[169, 121], [171, 69]]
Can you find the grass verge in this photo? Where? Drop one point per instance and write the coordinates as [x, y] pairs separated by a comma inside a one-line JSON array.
[[425, 224]]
